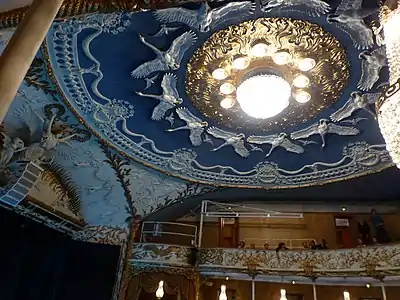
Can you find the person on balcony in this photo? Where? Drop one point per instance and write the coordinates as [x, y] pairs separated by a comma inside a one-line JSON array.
[[323, 245], [266, 246], [313, 245], [242, 245], [381, 234], [364, 232], [281, 246]]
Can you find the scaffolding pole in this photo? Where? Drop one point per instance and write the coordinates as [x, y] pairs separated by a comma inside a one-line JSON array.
[[202, 213]]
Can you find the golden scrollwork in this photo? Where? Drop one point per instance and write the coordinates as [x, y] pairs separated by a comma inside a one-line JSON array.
[[298, 37]]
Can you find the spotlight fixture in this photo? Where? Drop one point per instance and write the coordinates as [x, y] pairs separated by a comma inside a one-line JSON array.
[[301, 81], [344, 208], [227, 102], [262, 50], [241, 63], [282, 58], [220, 74], [226, 278], [302, 97], [227, 88], [367, 285], [306, 64], [293, 282]]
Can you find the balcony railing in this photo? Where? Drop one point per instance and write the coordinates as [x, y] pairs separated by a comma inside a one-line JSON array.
[[168, 232], [273, 243], [367, 261]]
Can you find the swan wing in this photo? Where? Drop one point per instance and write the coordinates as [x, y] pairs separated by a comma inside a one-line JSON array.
[[291, 147], [220, 134], [149, 67], [345, 111], [361, 35], [168, 85], [371, 98], [305, 133], [346, 5], [257, 139], [231, 10], [160, 110], [177, 15], [181, 44], [195, 136], [185, 115], [342, 130], [240, 148], [369, 75]]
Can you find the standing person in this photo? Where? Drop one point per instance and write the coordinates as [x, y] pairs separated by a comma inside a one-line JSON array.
[[364, 232], [379, 227]]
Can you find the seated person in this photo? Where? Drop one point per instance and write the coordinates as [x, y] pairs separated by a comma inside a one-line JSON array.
[[313, 245], [241, 244], [266, 246], [323, 245], [281, 246], [253, 246]]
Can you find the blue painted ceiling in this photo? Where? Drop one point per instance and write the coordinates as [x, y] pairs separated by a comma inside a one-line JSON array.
[[92, 59], [89, 61]]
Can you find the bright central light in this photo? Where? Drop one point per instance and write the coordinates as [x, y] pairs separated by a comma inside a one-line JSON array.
[[263, 96]]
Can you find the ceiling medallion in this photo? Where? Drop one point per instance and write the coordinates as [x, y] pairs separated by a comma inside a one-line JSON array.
[[266, 74]]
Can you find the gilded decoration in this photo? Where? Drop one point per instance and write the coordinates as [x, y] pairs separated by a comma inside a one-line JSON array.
[[298, 37], [71, 8], [367, 261]]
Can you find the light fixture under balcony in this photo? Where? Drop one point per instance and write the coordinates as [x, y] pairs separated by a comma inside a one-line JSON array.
[[160, 290], [222, 295], [283, 295], [346, 295]]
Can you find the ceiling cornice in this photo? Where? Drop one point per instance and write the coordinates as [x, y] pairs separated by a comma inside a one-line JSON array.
[[71, 8]]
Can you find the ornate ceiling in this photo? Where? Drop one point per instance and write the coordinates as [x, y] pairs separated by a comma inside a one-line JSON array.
[[132, 94]]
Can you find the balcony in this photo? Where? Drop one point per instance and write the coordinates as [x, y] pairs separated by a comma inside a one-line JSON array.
[[368, 261]]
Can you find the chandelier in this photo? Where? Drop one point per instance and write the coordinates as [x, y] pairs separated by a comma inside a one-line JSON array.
[[388, 106], [264, 91]]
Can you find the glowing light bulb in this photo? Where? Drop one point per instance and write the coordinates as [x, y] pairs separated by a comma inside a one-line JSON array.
[[227, 88], [282, 58], [346, 295], [241, 63], [220, 74], [301, 81], [283, 295], [306, 64], [260, 50], [222, 295], [227, 102], [160, 290], [302, 97]]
